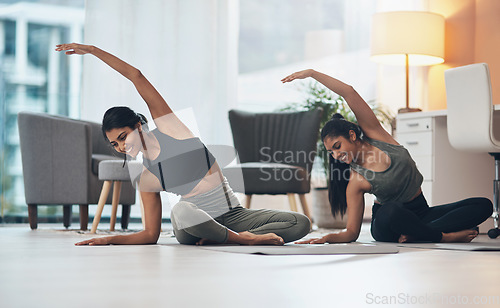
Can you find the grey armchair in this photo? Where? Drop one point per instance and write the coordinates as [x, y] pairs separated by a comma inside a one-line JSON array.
[[276, 153], [60, 158]]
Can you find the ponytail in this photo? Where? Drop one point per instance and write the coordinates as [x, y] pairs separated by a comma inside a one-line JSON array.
[[338, 178], [142, 119], [339, 172]]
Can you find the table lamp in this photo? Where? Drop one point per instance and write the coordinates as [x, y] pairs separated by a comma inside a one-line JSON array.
[[407, 38]]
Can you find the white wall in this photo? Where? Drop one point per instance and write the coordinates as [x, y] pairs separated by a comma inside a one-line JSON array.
[[186, 48]]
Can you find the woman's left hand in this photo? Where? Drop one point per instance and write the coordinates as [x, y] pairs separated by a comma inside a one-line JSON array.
[[298, 75], [95, 241]]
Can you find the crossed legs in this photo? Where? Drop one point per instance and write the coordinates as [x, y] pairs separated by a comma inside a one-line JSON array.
[[417, 221], [239, 225]]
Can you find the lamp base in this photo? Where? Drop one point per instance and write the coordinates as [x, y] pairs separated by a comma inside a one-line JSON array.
[[406, 110]]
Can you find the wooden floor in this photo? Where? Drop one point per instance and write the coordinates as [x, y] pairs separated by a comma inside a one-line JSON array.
[[44, 269]]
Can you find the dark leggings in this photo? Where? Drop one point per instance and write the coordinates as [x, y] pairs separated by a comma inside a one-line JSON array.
[[423, 223]]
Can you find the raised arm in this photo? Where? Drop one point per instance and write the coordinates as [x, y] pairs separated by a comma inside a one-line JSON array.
[[164, 118], [364, 114]]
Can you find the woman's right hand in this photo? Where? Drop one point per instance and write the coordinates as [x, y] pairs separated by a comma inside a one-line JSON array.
[[96, 241], [298, 75], [322, 240], [74, 48]]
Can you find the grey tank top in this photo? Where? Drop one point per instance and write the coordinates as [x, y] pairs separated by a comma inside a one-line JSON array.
[[400, 182], [181, 164]]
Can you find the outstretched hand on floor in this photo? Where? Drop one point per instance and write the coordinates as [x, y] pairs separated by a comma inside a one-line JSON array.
[[322, 240], [94, 242]]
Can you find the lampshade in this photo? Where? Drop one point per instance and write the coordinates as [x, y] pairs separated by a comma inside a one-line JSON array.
[[420, 35]]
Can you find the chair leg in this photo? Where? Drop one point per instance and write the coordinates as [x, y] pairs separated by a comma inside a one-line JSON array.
[[117, 186], [305, 206], [496, 198], [125, 215], [102, 200], [84, 216], [291, 200], [248, 199], [495, 232], [33, 216], [143, 220], [67, 215]]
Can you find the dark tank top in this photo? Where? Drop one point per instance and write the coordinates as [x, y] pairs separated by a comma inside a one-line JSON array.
[[400, 182], [181, 164]]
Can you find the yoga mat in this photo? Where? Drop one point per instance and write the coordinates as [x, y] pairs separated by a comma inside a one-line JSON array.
[[455, 246], [306, 249]]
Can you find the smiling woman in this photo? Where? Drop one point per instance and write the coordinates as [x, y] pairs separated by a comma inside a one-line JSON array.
[[370, 160], [176, 161]]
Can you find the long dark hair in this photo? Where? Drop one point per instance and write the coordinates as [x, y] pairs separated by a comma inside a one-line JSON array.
[[339, 172], [122, 116]]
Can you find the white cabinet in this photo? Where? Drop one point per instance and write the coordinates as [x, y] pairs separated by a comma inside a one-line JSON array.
[[449, 175]]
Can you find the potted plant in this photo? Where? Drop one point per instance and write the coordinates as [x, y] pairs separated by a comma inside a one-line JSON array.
[[318, 96]]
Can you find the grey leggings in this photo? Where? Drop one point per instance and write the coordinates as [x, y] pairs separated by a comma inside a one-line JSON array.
[[209, 215], [291, 226]]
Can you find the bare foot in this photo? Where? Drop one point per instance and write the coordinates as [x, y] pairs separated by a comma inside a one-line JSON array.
[[205, 241], [404, 239], [247, 238], [261, 239], [464, 236]]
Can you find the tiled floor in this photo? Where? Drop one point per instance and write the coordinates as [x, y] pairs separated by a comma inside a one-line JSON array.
[[44, 269]]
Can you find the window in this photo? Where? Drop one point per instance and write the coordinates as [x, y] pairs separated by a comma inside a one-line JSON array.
[[278, 38], [32, 78]]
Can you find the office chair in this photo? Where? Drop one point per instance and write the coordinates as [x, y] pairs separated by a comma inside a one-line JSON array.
[[472, 125]]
